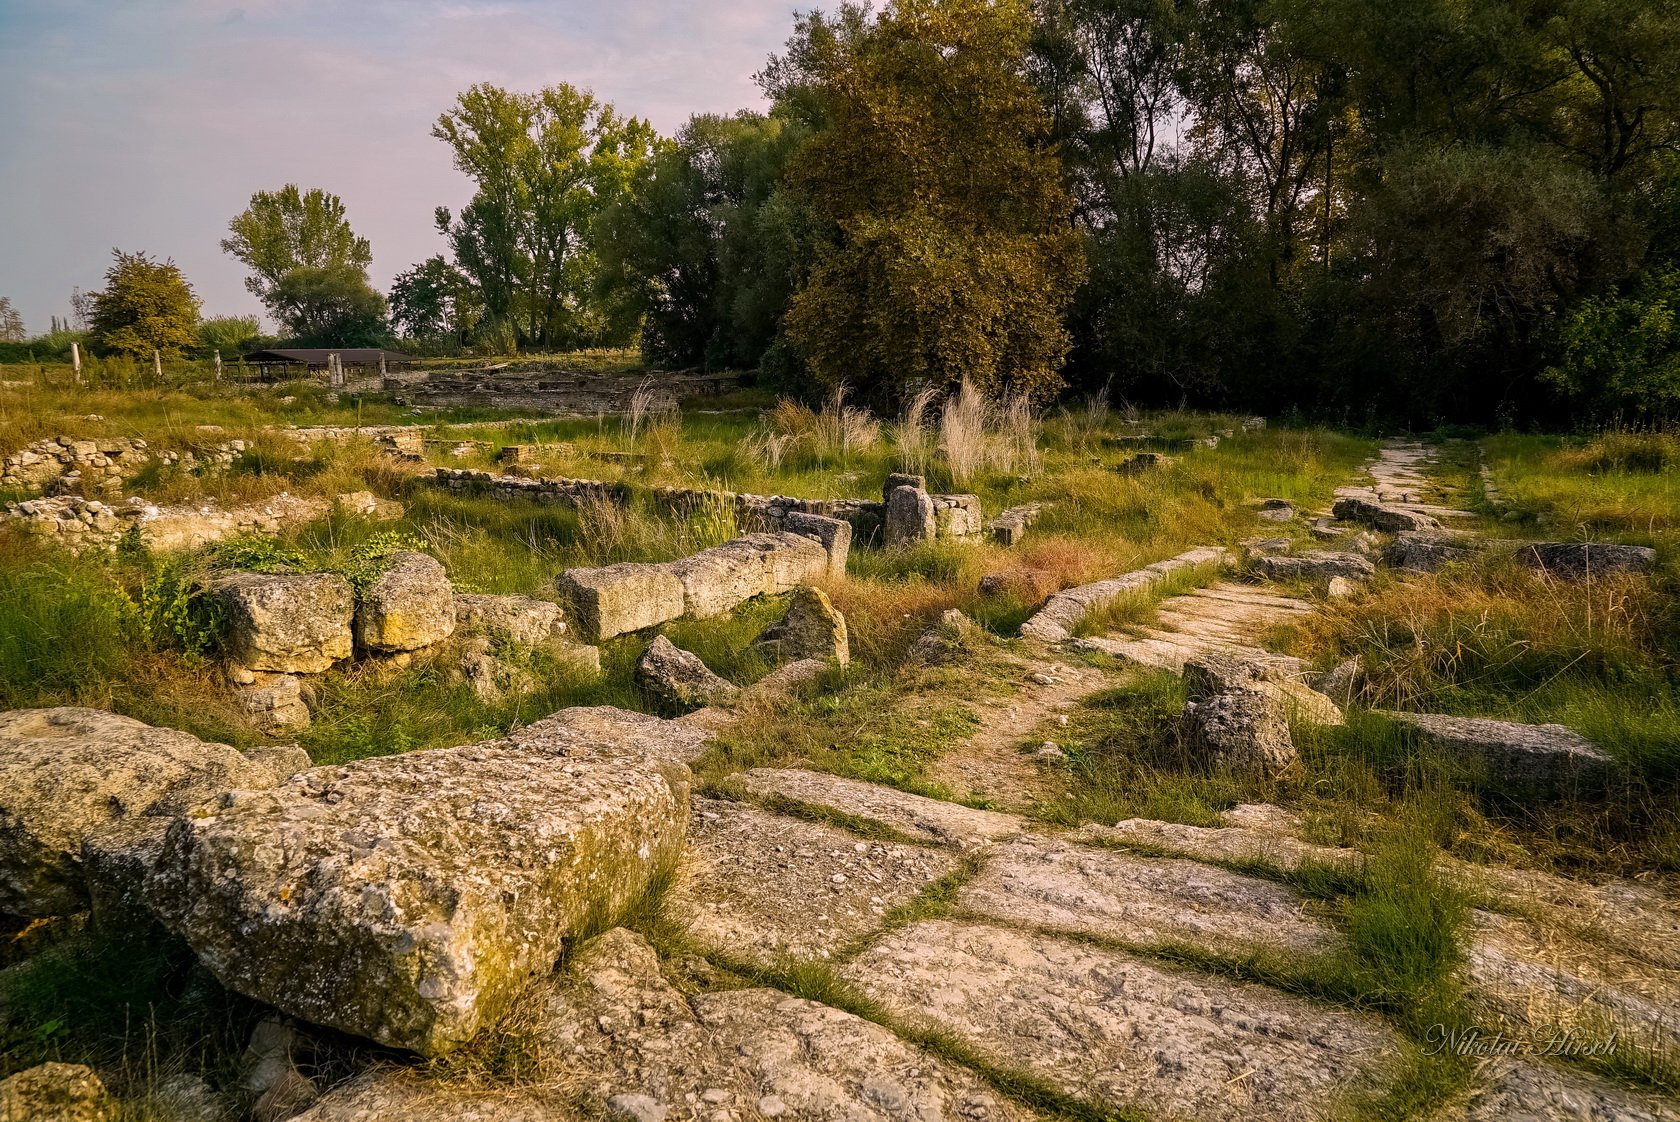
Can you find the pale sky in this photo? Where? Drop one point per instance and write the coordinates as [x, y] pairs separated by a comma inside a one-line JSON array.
[[147, 124]]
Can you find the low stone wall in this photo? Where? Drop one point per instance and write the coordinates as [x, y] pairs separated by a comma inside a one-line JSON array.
[[554, 489], [584, 395], [64, 463], [78, 524]]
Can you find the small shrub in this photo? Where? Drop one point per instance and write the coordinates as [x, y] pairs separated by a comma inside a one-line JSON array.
[[256, 553]]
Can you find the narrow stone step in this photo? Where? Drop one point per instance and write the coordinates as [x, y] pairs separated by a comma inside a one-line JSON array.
[[1526, 761], [1121, 1032], [1231, 843], [764, 887], [915, 815], [1106, 893]]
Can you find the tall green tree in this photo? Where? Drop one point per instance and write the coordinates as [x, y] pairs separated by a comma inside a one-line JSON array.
[[146, 305], [707, 242], [433, 301], [546, 165], [11, 322], [947, 251], [290, 229], [300, 248]]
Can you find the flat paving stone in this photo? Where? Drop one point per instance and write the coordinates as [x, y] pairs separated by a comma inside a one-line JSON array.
[[1121, 1032], [1535, 1091], [1217, 843], [915, 815], [765, 887], [1047, 883]]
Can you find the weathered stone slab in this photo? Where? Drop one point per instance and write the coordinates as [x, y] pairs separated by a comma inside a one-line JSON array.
[[1064, 612], [408, 899], [790, 560], [1536, 1091], [1526, 761], [718, 580], [677, 678], [910, 517], [812, 628], [602, 730], [1052, 884], [621, 598], [1238, 844], [1315, 564], [835, 534], [292, 623], [409, 606], [916, 815], [762, 886], [517, 619], [1427, 551], [1121, 1032], [1380, 516], [68, 776], [1581, 560], [1231, 721], [618, 1041]]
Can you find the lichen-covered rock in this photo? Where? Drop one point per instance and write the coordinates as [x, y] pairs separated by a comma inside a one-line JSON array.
[[1380, 516], [763, 886], [273, 702], [602, 730], [283, 760], [915, 815], [70, 775], [55, 1092], [1581, 560], [716, 581], [1526, 761], [1315, 564], [812, 628], [619, 599], [514, 619], [290, 623], [835, 534], [910, 517], [616, 1040], [408, 899], [1047, 884], [1123, 1032], [1427, 551], [1235, 722], [678, 678], [411, 605]]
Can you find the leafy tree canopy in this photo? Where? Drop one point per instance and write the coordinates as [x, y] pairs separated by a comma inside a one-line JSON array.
[[291, 229], [331, 307], [146, 305], [546, 165]]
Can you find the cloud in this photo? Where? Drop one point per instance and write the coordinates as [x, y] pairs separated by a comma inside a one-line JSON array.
[[149, 126]]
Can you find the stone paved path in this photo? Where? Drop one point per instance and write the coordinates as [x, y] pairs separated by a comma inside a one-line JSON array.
[[1068, 958]]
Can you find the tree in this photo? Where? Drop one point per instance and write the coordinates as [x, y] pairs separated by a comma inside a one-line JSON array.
[[11, 322], [1619, 356], [299, 246], [433, 300], [229, 334], [707, 244], [947, 252], [546, 165], [290, 229], [331, 307], [146, 305]]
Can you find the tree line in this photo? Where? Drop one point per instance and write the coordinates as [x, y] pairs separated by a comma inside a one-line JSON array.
[[1440, 209]]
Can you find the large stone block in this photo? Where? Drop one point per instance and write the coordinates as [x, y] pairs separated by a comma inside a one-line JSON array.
[[718, 580], [790, 560], [618, 599], [408, 899], [812, 628], [1380, 516], [68, 776], [291, 623], [1580, 560], [835, 534], [1525, 761], [677, 678], [411, 605], [910, 517], [517, 619]]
